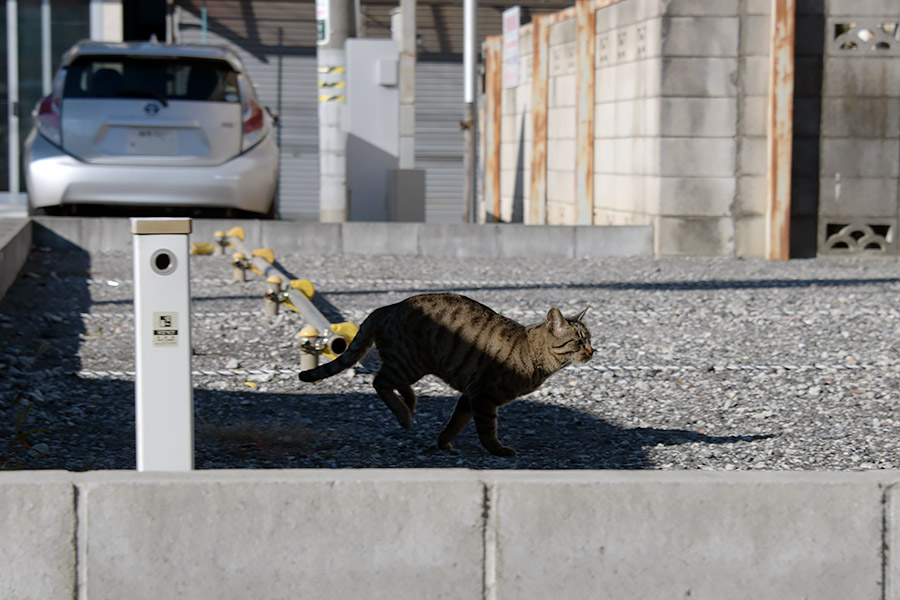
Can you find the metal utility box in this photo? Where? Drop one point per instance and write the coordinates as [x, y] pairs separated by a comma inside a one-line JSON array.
[[164, 402]]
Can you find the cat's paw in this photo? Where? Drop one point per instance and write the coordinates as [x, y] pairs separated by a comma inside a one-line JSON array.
[[503, 451], [447, 446]]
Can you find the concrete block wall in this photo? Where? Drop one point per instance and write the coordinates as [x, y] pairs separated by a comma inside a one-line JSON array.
[[561, 124], [516, 137], [859, 202], [752, 94], [411, 534], [680, 126]]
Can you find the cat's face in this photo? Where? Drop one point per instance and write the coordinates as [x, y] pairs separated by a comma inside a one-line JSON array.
[[570, 338]]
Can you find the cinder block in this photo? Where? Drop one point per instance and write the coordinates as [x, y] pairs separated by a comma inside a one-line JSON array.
[[696, 196], [605, 122], [750, 236], [860, 157], [563, 91], [37, 536], [751, 197], [605, 84], [681, 36], [762, 7], [694, 236], [861, 117], [380, 238], [560, 212], [598, 242], [755, 118], [561, 186], [561, 124], [756, 33], [697, 157], [710, 8], [754, 160], [356, 534], [699, 77], [755, 75], [873, 8], [562, 32], [698, 117], [854, 77], [859, 197], [786, 535]]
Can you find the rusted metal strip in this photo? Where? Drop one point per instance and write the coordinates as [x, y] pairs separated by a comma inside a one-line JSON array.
[[558, 17], [540, 74], [493, 87], [584, 81], [780, 131]]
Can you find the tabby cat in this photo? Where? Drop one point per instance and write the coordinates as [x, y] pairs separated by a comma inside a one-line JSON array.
[[487, 357]]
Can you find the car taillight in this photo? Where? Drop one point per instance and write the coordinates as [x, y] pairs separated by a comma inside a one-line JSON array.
[[49, 116], [253, 125]]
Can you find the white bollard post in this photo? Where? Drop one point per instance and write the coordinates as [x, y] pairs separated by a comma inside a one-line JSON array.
[[164, 400]]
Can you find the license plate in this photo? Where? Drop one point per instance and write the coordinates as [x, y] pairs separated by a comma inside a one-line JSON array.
[[152, 141]]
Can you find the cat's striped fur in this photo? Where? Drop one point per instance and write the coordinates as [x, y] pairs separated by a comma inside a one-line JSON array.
[[489, 358]]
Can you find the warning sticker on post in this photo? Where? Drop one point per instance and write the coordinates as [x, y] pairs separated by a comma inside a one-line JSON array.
[[165, 329]]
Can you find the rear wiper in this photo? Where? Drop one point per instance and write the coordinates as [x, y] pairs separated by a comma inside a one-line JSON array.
[[144, 94]]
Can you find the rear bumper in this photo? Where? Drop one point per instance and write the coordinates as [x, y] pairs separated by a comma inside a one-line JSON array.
[[247, 182]]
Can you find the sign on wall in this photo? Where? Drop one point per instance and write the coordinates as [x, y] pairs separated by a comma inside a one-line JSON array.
[[322, 24], [511, 23]]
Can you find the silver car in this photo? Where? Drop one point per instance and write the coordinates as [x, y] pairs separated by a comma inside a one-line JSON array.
[[151, 125]]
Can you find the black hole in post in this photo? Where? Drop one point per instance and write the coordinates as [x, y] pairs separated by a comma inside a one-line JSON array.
[[163, 261]]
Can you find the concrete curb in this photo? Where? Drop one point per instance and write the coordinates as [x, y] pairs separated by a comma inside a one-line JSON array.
[[426, 239], [448, 534], [15, 244]]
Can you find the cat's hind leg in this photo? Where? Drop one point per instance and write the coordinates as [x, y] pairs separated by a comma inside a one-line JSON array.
[[461, 416], [409, 397], [385, 389], [485, 413]]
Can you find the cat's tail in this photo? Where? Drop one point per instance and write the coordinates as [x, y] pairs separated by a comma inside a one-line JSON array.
[[364, 339]]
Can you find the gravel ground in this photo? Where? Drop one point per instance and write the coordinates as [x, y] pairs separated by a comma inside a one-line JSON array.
[[700, 364]]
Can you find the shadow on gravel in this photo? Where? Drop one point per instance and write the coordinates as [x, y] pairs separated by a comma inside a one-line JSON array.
[[258, 430], [92, 428], [41, 332], [651, 286]]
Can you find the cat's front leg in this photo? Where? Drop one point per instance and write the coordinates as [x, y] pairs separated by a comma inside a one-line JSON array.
[[461, 416], [485, 413]]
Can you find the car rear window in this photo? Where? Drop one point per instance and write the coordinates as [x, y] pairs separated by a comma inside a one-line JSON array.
[[160, 78]]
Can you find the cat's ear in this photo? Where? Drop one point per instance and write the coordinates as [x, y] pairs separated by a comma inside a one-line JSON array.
[[556, 322], [581, 315]]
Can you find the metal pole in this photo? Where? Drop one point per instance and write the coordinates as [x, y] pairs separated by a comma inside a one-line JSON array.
[[46, 49], [780, 130], [333, 20], [12, 82], [203, 21], [407, 84], [470, 123], [307, 310]]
